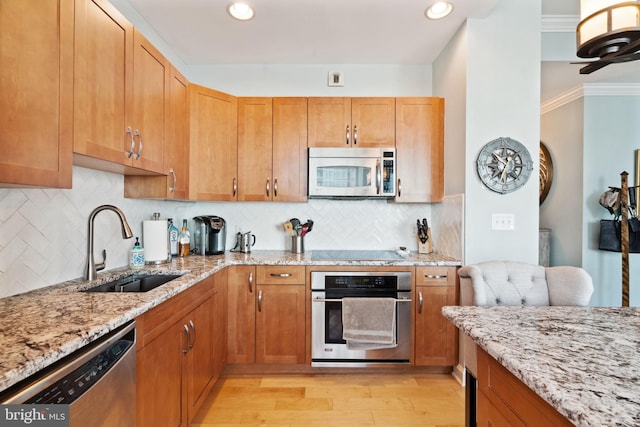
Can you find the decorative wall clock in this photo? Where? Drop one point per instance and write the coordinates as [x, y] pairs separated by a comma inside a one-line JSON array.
[[546, 172], [504, 165]]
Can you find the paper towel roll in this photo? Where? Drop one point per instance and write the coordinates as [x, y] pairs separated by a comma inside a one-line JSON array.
[[155, 240]]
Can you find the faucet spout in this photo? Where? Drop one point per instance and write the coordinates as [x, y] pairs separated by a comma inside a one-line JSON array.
[[91, 271]]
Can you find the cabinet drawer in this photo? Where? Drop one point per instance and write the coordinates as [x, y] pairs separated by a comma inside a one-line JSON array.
[[436, 276], [280, 274]]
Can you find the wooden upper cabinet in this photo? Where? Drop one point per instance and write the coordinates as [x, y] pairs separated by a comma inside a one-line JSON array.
[[272, 149], [175, 183], [351, 122], [120, 84], [290, 149], [36, 87], [151, 77], [420, 149], [213, 154], [255, 142]]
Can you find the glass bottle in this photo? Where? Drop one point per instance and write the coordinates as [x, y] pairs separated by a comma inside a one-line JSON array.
[[174, 235], [184, 242]]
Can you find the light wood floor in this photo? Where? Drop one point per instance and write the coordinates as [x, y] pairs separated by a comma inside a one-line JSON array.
[[334, 400]]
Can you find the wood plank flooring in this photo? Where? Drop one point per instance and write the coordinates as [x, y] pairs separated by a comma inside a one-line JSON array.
[[426, 400]]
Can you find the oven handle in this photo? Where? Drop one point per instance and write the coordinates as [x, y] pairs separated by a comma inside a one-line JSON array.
[[318, 299]]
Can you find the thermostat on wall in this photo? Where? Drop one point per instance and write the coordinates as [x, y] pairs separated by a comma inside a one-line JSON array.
[[336, 79]]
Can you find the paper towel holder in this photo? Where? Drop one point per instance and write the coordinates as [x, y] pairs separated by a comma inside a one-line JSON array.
[[155, 235]]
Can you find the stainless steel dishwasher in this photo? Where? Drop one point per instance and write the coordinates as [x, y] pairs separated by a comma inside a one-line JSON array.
[[98, 382]]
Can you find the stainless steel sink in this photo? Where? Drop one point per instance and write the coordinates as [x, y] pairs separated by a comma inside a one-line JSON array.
[[139, 282]]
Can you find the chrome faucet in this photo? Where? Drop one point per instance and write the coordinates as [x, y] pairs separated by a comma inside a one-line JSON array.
[[92, 269]]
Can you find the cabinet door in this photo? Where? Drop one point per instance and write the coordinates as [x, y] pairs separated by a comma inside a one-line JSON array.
[[241, 326], [176, 145], [435, 340], [290, 149], [36, 83], [213, 158], [200, 361], [220, 323], [420, 149], [150, 89], [159, 379], [255, 119], [329, 122], [175, 183], [103, 81], [280, 324], [373, 122]]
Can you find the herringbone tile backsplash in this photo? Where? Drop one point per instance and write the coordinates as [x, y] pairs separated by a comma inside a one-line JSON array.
[[43, 232]]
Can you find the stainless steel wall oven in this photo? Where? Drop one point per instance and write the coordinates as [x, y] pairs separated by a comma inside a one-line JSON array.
[[328, 288]]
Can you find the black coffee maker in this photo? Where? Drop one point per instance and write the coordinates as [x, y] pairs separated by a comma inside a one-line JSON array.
[[210, 235]]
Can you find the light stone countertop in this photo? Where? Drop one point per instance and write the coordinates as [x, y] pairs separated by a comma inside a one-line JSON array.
[[583, 361], [40, 327]]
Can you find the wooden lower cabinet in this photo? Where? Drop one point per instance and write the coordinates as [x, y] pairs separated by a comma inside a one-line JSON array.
[[436, 339], [504, 400], [280, 327], [176, 364], [266, 314]]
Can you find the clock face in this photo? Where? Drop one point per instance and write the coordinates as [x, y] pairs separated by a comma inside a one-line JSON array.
[[504, 165]]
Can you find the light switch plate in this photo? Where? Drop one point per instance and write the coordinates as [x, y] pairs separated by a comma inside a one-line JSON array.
[[503, 222]]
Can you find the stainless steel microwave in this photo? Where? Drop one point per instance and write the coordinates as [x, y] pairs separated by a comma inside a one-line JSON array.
[[352, 172]]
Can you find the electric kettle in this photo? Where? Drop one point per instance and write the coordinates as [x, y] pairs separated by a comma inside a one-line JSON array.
[[244, 242]]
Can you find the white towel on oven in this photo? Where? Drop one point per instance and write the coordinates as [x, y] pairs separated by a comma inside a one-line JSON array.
[[369, 323]]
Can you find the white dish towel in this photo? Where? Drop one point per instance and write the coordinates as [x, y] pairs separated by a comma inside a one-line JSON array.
[[369, 323]]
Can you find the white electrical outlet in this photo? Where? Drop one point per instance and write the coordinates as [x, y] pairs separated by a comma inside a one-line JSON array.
[[336, 79], [503, 222]]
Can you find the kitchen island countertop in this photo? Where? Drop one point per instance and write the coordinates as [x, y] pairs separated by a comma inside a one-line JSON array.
[[583, 361], [40, 327]]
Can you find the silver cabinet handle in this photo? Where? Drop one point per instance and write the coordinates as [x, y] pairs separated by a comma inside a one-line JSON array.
[[378, 176], [435, 276], [172, 188], [260, 300], [281, 274], [399, 187], [235, 187], [275, 187], [355, 134], [133, 143], [250, 282], [268, 187], [195, 336], [420, 300], [348, 135], [137, 155], [187, 347]]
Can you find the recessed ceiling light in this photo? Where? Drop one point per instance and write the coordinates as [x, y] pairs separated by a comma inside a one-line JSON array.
[[438, 10], [240, 11]]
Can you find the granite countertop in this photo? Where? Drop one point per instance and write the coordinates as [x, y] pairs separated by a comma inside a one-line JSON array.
[[40, 327], [584, 361]]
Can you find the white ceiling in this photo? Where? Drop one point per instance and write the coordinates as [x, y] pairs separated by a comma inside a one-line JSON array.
[[307, 31], [340, 32]]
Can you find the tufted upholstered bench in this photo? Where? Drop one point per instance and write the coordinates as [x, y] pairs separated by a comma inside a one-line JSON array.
[[518, 283]]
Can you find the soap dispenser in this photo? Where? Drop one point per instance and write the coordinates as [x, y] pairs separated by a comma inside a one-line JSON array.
[[136, 255]]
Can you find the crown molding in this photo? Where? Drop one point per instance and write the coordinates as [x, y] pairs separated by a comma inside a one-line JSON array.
[[559, 23], [591, 89]]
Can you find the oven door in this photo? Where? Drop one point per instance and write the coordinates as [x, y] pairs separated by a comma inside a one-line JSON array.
[[329, 349]]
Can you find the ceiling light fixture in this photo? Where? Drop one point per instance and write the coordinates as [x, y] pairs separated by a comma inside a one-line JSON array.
[[240, 11], [609, 30], [438, 10]]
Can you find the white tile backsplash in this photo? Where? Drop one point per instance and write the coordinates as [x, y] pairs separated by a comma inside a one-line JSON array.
[[43, 232]]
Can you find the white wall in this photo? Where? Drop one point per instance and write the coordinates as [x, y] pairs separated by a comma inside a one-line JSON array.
[[503, 99]]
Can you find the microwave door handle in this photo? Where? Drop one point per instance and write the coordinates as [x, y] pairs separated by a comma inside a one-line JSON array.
[[378, 176]]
